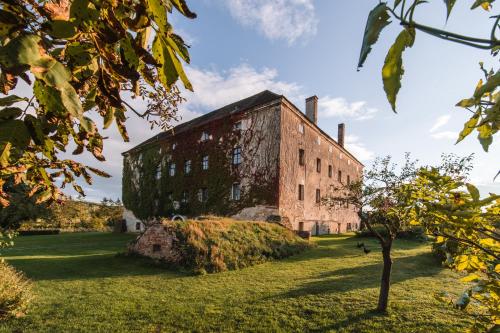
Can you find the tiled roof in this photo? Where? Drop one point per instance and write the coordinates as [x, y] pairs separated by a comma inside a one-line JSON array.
[[263, 97]]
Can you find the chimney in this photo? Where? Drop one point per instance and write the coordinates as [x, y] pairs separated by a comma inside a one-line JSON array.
[[341, 134], [312, 108]]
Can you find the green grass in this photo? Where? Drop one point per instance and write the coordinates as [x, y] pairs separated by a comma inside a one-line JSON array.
[[82, 286]]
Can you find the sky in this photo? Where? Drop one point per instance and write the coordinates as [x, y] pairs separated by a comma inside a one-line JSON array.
[[301, 48]]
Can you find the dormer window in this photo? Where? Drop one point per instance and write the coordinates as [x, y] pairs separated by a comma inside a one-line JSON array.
[[205, 136]]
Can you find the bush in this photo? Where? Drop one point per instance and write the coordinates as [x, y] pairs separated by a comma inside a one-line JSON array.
[[15, 292], [217, 245], [414, 233]]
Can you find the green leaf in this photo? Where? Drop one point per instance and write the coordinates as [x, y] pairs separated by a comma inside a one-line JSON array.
[[483, 3], [392, 71], [158, 13], [109, 117], [377, 20], [20, 51], [167, 73], [474, 192], [5, 154], [10, 113], [14, 132], [489, 86], [449, 7], [182, 7], [177, 43], [129, 53], [467, 103], [11, 99], [469, 127], [485, 136], [62, 29]]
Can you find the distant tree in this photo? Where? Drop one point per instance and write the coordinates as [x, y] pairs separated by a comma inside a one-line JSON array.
[[80, 58], [484, 104], [381, 201]]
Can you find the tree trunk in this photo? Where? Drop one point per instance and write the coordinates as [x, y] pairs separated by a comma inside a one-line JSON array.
[[385, 282]]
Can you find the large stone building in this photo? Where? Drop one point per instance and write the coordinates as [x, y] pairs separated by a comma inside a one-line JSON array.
[[258, 155]]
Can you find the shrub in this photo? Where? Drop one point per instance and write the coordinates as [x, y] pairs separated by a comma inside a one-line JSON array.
[[217, 245], [15, 292]]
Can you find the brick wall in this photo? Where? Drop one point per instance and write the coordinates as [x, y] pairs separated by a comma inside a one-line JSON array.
[[308, 213]]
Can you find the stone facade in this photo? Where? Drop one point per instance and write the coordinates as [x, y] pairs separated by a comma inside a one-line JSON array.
[[270, 131]]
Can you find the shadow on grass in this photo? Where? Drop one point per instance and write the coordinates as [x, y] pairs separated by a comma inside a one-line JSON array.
[[89, 267], [367, 276]]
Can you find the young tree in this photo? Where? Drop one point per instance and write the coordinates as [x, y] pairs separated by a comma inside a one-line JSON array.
[[466, 226], [81, 58], [485, 101], [381, 201]]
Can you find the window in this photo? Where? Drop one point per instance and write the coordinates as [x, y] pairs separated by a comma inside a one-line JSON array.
[[301, 192], [236, 191], [158, 171], [237, 156], [318, 140], [302, 157], [171, 169], [301, 128], [238, 126], [348, 180], [174, 145], [349, 227], [330, 149], [203, 195], [318, 195], [348, 162], [187, 166], [340, 176], [204, 162], [156, 247], [318, 165], [185, 197], [330, 171], [138, 226], [205, 136], [301, 226]]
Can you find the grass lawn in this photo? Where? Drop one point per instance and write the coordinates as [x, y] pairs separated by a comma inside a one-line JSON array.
[[82, 286]]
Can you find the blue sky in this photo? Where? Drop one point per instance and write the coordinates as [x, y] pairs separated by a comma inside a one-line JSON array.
[[304, 47]]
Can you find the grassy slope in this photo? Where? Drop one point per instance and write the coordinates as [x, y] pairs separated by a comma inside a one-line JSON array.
[[82, 286]]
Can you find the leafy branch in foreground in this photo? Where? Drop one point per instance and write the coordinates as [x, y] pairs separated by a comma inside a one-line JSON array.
[[485, 102], [79, 57], [466, 227]]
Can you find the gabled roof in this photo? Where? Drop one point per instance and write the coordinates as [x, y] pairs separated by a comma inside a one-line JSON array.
[[263, 97]]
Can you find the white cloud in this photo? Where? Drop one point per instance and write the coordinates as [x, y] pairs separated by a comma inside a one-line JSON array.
[[358, 149], [445, 135], [276, 19], [440, 122], [214, 89], [338, 107]]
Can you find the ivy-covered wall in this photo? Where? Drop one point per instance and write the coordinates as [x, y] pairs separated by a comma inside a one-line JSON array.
[[147, 197]]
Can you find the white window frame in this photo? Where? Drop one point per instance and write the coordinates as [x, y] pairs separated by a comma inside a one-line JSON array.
[[236, 191], [171, 169], [237, 156], [205, 162]]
